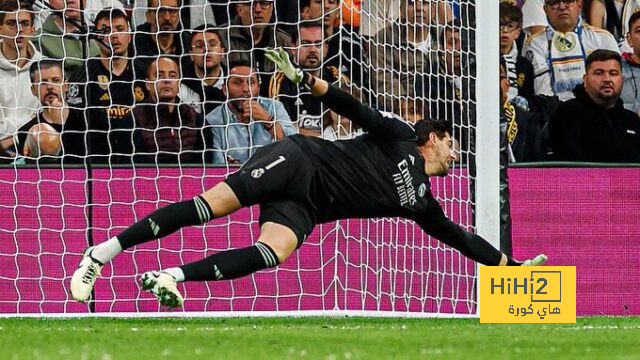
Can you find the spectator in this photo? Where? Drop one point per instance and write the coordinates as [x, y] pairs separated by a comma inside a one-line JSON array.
[[17, 53], [410, 109], [345, 49], [162, 33], [49, 86], [630, 8], [534, 19], [448, 87], [519, 69], [92, 8], [286, 13], [250, 33], [204, 75], [247, 121], [607, 14], [376, 13], [595, 126], [61, 37], [631, 67], [167, 131], [42, 140], [520, 131], [558, 53], [402, 51], [111, 88], [194, 13], [310, 50]]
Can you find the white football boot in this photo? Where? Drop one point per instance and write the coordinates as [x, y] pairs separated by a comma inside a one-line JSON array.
[[538, 260], [85, 276], [163, 286]]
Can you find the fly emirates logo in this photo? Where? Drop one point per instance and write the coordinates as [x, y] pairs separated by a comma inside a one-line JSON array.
[[403, 181]]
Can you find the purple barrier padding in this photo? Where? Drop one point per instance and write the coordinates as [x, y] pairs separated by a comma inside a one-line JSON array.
[[378, 264], [587, 218], [42, 232]]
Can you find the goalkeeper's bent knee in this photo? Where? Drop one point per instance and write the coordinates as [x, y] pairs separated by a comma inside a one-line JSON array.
[[167, 220]]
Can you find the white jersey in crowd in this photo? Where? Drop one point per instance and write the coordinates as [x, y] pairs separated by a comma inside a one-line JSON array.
[[17, 103], [538, 49], [332, 134], [533, 14]]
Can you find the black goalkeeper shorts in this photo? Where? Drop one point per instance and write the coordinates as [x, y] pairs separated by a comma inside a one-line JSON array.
[[279, 177]]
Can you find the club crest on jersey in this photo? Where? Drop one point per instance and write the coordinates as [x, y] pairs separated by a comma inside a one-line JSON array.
[[257, 173], [103, 82], [565, 42]]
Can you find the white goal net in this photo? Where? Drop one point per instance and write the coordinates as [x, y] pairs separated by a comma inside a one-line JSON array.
[[413, 58]]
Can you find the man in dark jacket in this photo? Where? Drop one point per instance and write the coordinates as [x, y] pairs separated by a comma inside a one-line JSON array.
[[595, 126], [161, 34], [167, 131], [250, 33], [310, 51]]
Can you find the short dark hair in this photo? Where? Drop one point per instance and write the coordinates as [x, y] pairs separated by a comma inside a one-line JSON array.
[[634, 17], [207, 29], [427, 126], [11, 6], [44, 64], [602, 55], [150, 4], [511, 12], [111, 13], [305, 25], [241, 62]]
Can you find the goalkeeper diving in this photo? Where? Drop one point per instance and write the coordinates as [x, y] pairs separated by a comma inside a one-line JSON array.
[[303, 181]]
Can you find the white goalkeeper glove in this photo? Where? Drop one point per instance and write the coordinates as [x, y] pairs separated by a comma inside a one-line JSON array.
[[281, 58], [538, 260]]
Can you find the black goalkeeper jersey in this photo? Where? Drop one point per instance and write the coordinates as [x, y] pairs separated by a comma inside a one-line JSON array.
[[381, 174], [378, 174]]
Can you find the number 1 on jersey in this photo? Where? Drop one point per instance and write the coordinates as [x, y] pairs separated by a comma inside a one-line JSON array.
[[275, 162]]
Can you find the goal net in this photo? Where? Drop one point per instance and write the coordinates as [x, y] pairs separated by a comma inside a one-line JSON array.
[[52, 208]]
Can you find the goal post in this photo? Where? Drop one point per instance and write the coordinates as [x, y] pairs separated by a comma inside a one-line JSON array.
[[355, 267], [488, 115]]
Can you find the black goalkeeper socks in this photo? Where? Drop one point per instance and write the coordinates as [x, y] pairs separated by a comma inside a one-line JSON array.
[[165, 221], [231, 264]]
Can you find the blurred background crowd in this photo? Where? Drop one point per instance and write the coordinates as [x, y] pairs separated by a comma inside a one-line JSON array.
[[186, 81]]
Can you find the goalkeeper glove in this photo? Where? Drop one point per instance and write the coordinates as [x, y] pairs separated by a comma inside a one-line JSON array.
[[536, 261], [281, 58]]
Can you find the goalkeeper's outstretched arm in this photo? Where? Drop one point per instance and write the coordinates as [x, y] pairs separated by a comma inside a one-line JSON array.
[[343, 103], [436, 224]]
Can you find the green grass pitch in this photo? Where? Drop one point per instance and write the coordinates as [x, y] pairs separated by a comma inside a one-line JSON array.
[[316, 338]]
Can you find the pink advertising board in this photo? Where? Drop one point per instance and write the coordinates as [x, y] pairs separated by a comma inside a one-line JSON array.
[[588, 218], [380, 264]]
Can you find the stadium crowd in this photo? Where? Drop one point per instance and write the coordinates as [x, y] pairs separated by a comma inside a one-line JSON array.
[[187, 81]]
